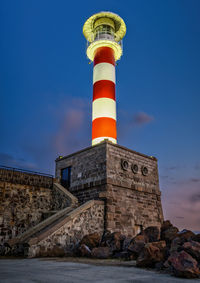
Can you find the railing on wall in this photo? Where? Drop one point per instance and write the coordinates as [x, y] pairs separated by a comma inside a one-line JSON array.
[[26, 171], [26, 177]]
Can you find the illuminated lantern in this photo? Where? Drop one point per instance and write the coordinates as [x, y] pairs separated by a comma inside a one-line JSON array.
[[104, 32]]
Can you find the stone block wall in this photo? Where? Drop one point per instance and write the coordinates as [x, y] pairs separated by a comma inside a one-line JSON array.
[[24, 198], [18, 177], [86, 219], [126, 180], [133, 198], [88, 174]]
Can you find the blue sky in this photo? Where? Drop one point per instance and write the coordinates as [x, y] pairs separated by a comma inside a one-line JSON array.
[[46, 89]]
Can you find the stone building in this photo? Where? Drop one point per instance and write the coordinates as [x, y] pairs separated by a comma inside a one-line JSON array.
[[127, 181], [105, 187]]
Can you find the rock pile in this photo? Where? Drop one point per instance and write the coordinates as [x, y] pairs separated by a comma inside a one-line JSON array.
[[165, 249], [168, 249]]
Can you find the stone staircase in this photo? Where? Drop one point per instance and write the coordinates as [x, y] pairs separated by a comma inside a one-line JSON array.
[[61, 230], [50, 218]]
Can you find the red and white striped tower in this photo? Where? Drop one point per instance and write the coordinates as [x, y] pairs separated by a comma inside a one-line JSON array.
[[104, 32]]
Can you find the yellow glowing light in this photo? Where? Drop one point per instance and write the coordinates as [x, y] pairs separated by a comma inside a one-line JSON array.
[[104, 38], [104, 21], [120, 27], [101, 139], [104, 43]]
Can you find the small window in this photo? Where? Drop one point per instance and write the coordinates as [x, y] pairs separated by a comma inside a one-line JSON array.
[[66, 177]]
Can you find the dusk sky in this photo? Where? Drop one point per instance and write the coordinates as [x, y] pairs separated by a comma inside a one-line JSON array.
[[46, 89]]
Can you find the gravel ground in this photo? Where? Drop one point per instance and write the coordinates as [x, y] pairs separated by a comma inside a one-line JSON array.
[[73, 270]]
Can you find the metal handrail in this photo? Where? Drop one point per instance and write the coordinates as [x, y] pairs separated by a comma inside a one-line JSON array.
[[26, 171]]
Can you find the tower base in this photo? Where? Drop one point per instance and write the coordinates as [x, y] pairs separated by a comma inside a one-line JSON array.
[[126, 180]]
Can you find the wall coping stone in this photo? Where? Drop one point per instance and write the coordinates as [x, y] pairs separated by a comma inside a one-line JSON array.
[[110, 144], [16, 176]]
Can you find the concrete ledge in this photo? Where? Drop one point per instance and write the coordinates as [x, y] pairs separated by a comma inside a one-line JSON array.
[[110, 143]]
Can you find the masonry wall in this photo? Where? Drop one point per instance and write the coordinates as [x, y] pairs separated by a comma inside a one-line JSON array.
[[88, 173], [87, 219], [24, 200], [133, 199]]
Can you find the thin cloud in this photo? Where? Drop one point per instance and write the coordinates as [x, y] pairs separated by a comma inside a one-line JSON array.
[[142, 118], [69, 132], [197, 167], [184, 213], [171, 168], [194, 180], [72, 133], [195, 198], [129, 122]]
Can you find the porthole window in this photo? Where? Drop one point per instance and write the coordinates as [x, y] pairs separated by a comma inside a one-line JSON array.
[[144, 171], [124, 164], [134, 168]]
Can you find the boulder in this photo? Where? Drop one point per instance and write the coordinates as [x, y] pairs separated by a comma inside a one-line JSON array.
[[196, 238], [180, 239], [176, 245], [56, 251], [192, 248], [84, 251], [114, 241], [91, 240], [101, 252], [152, 234], [151, 254], [7, 249], [20, 249], [136, 245], [183, 265], [166, 225], [169, 234], [126, 243], [185, 235], [2, 250]]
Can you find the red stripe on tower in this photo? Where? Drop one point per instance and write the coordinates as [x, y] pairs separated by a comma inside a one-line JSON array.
[[104, 55], [104, 88], [104, 104]]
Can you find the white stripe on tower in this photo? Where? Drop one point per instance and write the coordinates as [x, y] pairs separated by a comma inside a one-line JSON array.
[[104, 71], [104, 107]]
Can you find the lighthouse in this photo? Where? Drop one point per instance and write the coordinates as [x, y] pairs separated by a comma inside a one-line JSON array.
[[104, 32], [124, 181]]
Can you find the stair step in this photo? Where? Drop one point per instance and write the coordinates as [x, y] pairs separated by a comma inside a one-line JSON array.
[[50, 218], [47, 227]]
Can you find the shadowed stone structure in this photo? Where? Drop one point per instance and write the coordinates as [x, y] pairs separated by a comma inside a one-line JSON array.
[[126, 180]]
